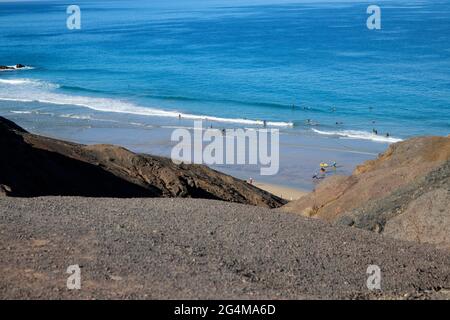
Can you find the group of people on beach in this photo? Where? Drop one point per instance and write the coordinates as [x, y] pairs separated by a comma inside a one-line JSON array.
[[323, 170]]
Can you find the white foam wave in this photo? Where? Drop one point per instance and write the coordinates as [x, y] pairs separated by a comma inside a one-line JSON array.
[[84, 117], [75, 116], [29, 82], [31, 112], [354, 134], [36, 92], [21, 112], [15, 81]]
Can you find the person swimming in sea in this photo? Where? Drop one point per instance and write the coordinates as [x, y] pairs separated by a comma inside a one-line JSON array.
[[374, 131]]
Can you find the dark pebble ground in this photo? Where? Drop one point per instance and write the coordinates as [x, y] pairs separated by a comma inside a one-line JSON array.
[[200, 249]]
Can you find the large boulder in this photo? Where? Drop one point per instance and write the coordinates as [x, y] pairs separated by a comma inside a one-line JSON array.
[[4, 190]]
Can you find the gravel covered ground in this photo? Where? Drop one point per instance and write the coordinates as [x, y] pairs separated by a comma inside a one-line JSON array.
[[195, 249]]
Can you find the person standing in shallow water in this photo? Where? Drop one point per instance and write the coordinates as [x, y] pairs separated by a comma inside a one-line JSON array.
[[321, 174]]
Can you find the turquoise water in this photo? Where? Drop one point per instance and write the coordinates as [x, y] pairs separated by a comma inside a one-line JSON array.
[[235, 62]]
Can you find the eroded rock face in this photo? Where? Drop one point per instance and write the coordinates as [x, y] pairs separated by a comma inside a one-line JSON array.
[[401, 164], [33, 165], [417, 212], [425, 220], [405, 193]]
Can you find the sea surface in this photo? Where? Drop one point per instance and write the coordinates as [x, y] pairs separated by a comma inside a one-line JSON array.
[[310, 68]]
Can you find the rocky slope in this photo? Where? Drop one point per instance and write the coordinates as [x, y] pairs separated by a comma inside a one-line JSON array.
[[419, 211], [32, 165], [404, 193], [201, 249]]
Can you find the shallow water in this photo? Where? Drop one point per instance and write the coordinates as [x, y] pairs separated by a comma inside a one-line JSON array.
[[125, 77], [238, 60]]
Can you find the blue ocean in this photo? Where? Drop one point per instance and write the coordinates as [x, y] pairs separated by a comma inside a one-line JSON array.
[[310, 68]]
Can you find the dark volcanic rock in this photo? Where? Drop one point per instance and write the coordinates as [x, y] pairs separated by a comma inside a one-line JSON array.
[[4, 190], [17, 66], [33, 165], [201, 249]]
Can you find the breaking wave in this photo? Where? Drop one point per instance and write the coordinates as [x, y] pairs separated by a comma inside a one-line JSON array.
[[41, 91], [355, 134]]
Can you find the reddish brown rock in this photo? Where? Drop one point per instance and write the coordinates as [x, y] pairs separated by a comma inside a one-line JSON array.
[[401, 164], [404, 194]]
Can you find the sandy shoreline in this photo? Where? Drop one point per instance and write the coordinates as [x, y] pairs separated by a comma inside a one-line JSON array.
[[284, 192], [300, 153]]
